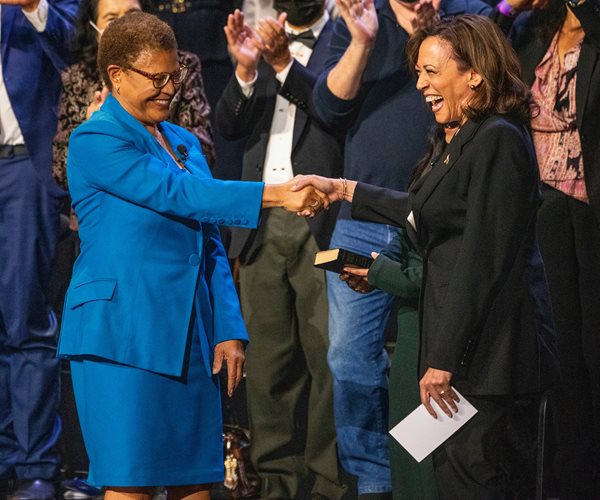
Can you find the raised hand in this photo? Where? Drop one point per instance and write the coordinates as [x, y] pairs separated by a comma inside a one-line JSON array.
[[26, 5], [361, 18], [426, 15], [273, 42], [97, 102], [240, 39]]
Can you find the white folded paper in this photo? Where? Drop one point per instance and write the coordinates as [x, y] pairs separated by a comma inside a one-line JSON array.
[[420, 434]]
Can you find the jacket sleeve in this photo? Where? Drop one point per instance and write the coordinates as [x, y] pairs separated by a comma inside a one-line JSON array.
[[227, 316], [503, 197], [336, 113], [56, 39], [377, 204], [398, 269], [104, 158], [236, 114]]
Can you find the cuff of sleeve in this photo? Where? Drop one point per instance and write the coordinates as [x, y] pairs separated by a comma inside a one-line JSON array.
[[247, 87], [282, 75], [38, 17], [334, 103]]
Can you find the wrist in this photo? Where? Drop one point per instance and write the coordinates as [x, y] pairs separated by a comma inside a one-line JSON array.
[[362, 47], [281, 64], [272, 196], [30, 7], [244, 73]]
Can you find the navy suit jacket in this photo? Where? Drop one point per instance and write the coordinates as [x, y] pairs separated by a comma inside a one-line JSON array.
[[31, 65], [315, 148]]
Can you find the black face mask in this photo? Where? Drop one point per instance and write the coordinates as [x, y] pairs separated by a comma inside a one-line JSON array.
[[299, 12]]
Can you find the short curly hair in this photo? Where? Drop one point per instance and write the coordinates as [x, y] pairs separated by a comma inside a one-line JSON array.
[[127, 37]]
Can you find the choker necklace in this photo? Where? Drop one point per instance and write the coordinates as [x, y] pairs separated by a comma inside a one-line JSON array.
[[453, 124]]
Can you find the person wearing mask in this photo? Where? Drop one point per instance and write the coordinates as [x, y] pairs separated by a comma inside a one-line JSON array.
[[35, 40], [284, 298]]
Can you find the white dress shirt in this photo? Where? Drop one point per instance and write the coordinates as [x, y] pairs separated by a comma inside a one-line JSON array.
[[10, 132], [278, 159]]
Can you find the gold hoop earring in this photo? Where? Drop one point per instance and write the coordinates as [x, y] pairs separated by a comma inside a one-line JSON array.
[[118, 90]]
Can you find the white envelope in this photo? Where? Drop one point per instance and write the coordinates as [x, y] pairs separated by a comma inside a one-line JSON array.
[[420, 434]]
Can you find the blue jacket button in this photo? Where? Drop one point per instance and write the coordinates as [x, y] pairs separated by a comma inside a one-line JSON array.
[[237, 222], [194, 260], [204, 219], [221, 222]]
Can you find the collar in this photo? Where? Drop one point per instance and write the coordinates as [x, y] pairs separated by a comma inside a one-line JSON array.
[[316, 27]]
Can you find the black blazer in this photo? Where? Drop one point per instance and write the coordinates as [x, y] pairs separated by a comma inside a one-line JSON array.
[[485, 312], [530, 48], [315, 149]]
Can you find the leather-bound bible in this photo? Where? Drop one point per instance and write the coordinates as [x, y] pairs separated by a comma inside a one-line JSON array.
[[336, 259]]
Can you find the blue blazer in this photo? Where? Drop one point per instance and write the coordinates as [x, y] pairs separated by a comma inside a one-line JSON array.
[[151, 254], [31, 65]]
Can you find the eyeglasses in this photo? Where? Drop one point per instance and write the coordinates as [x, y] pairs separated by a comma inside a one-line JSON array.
[[159, 80]]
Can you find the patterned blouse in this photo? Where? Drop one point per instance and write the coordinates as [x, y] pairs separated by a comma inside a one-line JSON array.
[[190, 109], [555, 134]]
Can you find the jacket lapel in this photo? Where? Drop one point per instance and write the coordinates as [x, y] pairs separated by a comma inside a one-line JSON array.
[[8, 18], [442, 165], [316, 61], [587, 60]]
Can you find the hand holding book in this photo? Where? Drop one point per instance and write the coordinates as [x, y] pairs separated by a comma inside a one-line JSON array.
[[352, 267]]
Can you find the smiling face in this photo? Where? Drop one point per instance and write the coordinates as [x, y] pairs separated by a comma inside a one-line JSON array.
[[444, 85], [137, 94]]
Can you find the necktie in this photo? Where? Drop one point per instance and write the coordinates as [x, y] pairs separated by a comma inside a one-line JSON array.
[[306, 37]]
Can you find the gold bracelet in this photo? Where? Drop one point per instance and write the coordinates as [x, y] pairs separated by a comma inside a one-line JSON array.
[[344, 188]]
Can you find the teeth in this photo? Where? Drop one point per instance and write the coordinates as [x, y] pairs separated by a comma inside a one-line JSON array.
[[433, 98]]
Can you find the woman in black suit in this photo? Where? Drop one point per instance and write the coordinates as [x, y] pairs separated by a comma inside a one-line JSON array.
[[471, 211]]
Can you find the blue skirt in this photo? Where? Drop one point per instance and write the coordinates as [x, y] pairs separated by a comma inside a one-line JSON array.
[[145, 429]]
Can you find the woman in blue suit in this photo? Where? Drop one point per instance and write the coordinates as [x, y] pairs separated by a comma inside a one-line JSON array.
[[151, 313]]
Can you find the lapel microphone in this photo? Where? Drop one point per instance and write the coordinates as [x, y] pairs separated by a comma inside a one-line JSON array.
[[183, 154]]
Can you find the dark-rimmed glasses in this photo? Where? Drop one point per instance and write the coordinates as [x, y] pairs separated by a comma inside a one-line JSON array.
[[159, 80]]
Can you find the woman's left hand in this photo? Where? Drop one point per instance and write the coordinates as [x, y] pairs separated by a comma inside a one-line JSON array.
[[231, 351], [435, 384]]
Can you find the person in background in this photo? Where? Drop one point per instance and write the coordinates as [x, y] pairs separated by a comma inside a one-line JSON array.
[[485, 316], [35, 40], [151, 314], [84, 92], [558, 44], [398, 270], [284, 298], [254, 10], [367, 92]]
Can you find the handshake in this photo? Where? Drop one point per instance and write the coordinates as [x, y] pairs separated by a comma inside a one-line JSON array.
[[307, 195]]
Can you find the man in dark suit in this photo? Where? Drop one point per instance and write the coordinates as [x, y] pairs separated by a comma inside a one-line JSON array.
[[283, 296], [34, 38]]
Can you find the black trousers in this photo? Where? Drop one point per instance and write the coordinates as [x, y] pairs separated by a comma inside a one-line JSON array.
[[493, 456], [569, 236]]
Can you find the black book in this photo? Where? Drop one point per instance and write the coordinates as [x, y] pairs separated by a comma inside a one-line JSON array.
[[336, 259]]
